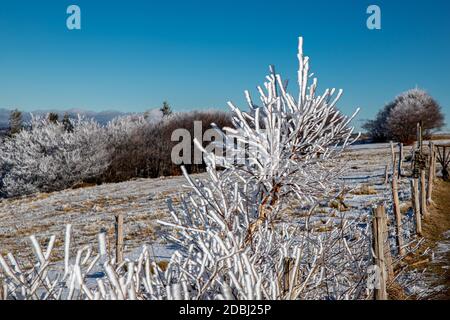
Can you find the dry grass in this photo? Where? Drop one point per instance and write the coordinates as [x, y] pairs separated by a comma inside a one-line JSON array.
[[439, 220], [442, 136], [395, 292], [327, 228], [405, 207], [433, 228], [364, 190], [24, 232], [163, 264], [321, 210], [338, 205], [83, 185]]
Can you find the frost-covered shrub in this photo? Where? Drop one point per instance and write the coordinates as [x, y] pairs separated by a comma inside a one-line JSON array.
[[233, 231], [121, 128], [47, 157]]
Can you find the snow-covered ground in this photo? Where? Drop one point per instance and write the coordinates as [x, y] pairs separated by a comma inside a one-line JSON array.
[[143, 201], [90, 209]]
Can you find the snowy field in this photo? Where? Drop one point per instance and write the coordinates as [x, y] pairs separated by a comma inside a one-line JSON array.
[[89, 210], [143, 201]]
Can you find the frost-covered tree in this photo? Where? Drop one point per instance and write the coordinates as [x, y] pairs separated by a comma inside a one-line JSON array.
[[67, 123], [234, 236], [154, 115], [47, 157], [399, 118], [412, 107], [119, 133], [120, 128]]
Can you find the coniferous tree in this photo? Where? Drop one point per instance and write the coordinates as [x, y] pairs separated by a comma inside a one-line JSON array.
[[166, 109], [15, 122], [53, 117], [68, 126]]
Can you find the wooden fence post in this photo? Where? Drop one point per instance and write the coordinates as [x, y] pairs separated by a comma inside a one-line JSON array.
[[416, 204], [434, 164], [1, 290], [118, 226], [288, 266], [392, 157], [433, 160], [419, 135], [423, 194], [378, 249], [430, 176], [386, 174], [400, 159], [398, 216], [387, 248]]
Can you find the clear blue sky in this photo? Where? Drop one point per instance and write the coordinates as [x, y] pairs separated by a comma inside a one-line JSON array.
[[131, 55]]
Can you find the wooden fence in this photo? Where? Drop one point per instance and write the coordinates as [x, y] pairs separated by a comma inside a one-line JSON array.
[[421, 181]]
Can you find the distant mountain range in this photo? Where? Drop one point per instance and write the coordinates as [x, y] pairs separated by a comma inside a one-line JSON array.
[[101, 117]]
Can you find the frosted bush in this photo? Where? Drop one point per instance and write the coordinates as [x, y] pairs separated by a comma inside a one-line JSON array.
[[234, 244], [47, 157], [121, 128]]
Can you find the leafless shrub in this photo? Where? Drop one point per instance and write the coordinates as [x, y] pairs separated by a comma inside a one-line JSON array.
[[146, 152]]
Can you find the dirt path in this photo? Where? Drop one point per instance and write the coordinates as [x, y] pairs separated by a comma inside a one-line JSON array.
[[436, 231]]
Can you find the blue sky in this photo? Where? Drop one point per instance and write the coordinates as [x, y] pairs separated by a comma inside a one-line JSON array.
[[131, 55]]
